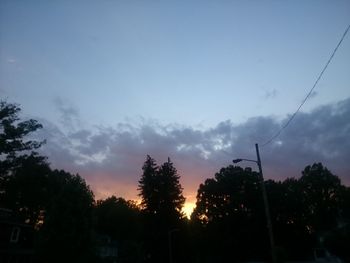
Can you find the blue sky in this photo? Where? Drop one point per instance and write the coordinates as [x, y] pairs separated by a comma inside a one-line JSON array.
[[193, 63], [92, 65]]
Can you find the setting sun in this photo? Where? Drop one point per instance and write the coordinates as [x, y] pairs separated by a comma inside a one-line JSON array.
[[188, 209]]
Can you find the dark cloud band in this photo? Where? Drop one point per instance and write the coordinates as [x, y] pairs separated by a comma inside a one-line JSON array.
[[114, 156]]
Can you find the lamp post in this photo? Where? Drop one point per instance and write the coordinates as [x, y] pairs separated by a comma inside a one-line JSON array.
[[170, 232], [266, 203]]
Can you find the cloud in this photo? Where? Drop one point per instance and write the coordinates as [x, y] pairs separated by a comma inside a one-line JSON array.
[[270, 94], [69, 115], [11, 61], [313, 94], [111, 158]]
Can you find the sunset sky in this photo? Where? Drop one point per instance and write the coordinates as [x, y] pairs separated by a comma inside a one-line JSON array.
[[198, 81]]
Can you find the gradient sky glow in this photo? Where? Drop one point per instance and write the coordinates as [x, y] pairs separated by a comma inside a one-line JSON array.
[[113, 81]]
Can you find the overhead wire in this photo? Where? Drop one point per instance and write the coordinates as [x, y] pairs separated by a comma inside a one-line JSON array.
[[310, 92]]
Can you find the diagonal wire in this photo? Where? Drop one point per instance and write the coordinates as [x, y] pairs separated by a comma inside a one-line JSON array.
[[310, 92]]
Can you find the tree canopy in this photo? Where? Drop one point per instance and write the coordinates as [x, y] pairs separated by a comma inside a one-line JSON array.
[[12, 133], [57, 204], [230, 211], [160, 189], [306, 213], [119, 219], [162, 201]]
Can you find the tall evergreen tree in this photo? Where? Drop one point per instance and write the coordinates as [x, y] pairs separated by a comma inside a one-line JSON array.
[[160, 189], [171, 199], [162, 201], [148, 187]]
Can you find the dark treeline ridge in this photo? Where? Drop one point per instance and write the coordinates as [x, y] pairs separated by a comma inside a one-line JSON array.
[[58, 220]]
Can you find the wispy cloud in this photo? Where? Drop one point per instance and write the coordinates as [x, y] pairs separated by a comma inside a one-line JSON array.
[[69, 114], [270, 94], [313, 94], [110, 158], [11, 60]]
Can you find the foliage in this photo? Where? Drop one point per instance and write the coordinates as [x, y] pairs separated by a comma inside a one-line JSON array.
[[321, 192], [148, 186], [171, 199], [230, 211], [160, 190], [117, 218], [12, 133], [68, 219], [232, 192], [291, 233], [120, 220], [57, 204], [306, 213], [27, 191], [162, 201]]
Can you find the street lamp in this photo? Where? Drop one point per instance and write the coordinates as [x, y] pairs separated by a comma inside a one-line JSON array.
[[266, 203], [170, 232]]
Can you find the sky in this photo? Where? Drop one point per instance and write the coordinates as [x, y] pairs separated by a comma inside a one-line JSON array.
[[198, 81]]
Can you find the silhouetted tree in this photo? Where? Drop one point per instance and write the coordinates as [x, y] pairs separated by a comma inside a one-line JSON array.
[[67, 222], [12, 133], [292, 236], [27, 191], [15, 150], [321, 197], [57, 204], [148, 186], [170, 192], [229, 219], [308, 211], [120, 220], [162, 201], [160, 190], [338, 240], [230, 211]]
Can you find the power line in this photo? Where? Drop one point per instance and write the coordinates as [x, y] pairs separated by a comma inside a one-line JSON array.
[[310, 92]]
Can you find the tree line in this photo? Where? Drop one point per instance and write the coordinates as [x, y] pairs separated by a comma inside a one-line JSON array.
[[228, 221]]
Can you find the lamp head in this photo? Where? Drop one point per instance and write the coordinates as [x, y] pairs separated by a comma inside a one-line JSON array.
[[237, 160]]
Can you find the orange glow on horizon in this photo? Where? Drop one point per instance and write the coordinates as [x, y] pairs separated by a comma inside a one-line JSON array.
[[188, 209], [107, 189]]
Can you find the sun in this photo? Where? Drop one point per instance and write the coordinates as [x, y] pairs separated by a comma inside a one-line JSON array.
[[188, 209]]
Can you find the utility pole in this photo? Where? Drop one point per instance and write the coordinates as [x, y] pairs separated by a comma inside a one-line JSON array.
[[170, 232], [266, 205]]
